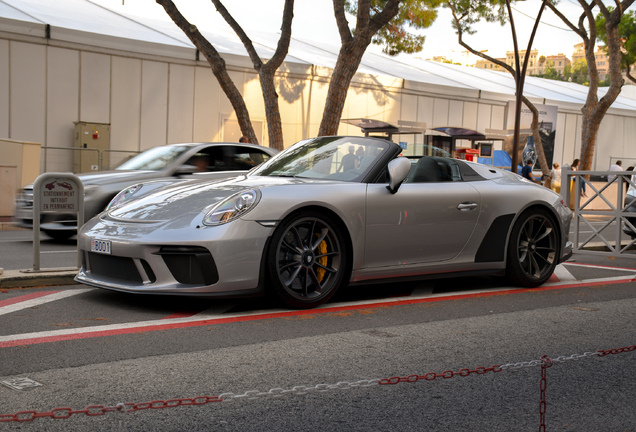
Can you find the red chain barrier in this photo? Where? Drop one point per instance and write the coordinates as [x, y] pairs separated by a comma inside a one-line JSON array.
[[432, 375], [546, 362], [602, 353], [98, 410]]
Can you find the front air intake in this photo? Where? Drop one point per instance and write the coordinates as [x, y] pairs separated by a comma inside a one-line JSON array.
[[191, 265]]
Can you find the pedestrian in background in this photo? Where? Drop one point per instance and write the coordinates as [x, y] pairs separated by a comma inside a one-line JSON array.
[[555, 178], [526, 171], [618, 166], [629, 178], [244, 139], [575, 167]]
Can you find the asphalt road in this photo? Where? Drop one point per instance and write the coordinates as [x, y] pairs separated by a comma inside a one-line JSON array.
[[16, 251], [89, 347]]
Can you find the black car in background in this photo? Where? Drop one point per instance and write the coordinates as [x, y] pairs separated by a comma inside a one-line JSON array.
[[186, 161]]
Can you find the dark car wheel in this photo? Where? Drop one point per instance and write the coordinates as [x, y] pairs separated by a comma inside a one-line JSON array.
[[59, 234], [533, 249], [306, 260]]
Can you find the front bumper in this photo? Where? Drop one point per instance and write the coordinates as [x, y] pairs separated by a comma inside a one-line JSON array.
[[160, 259]]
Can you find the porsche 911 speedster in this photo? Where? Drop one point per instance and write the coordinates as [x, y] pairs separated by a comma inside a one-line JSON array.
[[326, 212]]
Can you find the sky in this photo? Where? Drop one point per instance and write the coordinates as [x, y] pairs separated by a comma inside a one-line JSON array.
[[314, 20]]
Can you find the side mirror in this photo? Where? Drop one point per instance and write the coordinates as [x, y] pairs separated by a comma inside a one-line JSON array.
[[398, 170]]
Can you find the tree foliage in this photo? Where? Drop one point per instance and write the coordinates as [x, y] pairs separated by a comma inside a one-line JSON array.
[[549, 72], [594, 108], [382, 21], [627, 34], [397, 36], [577, 72]]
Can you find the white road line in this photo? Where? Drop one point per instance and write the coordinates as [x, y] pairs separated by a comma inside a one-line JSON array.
[[41, 300], [625, 269], [563, 274], [137, 324], [210, 320]]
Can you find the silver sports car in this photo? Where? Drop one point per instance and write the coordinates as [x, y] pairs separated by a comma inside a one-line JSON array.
[[324, 213]]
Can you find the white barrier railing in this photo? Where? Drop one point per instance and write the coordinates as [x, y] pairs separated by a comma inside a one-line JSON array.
[[600, 211]]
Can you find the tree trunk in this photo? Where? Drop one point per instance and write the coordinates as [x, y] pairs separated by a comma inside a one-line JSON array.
[[266, 71], [351, 51], [272, 110], [217, 65], [594, 109], [348, 62]]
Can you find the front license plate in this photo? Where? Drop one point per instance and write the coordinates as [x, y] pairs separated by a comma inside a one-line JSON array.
[[100, 246]]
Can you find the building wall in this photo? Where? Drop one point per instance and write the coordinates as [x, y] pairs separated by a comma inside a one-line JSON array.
[[150, 100]]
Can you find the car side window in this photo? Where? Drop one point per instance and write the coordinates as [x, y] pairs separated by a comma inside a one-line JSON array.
[[245, 158], [430, 169], [227, 158]]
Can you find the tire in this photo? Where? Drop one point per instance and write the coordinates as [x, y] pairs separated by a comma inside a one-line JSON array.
[[59, 234], [533, 249], [306, 260]]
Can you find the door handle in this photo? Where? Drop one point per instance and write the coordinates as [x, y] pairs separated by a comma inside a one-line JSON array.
[[466, 206]]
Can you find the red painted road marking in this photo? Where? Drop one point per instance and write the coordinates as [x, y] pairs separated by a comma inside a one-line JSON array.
[[23, 298], [554, 278], [158, 325]]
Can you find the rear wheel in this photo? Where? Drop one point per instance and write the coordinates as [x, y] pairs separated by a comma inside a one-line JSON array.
[[306, 260], [533, 249]]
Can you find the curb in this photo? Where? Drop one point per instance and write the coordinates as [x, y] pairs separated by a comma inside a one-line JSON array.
[[30, 278]]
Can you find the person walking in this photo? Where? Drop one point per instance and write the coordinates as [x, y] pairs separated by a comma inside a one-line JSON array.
[[555, 178], [526, 171], [575, 167]]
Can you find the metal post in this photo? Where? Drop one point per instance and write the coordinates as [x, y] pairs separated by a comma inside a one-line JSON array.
[[72, 183]]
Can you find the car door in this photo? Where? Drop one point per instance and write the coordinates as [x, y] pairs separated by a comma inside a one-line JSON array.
[[423, 222]]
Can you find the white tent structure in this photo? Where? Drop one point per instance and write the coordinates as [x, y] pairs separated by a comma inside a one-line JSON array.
[[91, 61]]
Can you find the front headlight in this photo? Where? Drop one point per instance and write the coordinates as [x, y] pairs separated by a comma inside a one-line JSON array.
[[123, 196], [232, 207]]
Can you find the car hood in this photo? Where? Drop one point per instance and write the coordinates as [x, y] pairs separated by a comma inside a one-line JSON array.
[[116, 176], [190, 198]]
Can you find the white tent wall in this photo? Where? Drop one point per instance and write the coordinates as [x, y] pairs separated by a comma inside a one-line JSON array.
[[154, 104], [62, 107], [4, 88], [27, 91], [125, 104], [153, 94], [95, 88]]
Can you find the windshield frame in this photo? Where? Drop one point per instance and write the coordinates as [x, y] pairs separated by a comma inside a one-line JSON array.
[[323, 158]]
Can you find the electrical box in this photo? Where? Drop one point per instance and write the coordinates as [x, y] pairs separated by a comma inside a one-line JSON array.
[[91, 141], [467, 154]]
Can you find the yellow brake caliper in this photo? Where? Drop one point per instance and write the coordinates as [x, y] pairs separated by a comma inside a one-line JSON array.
[[322, 250]]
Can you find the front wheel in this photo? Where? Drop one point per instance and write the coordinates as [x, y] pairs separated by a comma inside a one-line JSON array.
[[533, 249], [59, 234], [306, 260]]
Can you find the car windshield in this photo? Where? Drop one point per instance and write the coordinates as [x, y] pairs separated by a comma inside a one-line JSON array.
[[155, 159], [328, 158]]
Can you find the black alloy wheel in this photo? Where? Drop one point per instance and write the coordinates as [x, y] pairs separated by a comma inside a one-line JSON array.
[[533, 249], [306, 260]]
